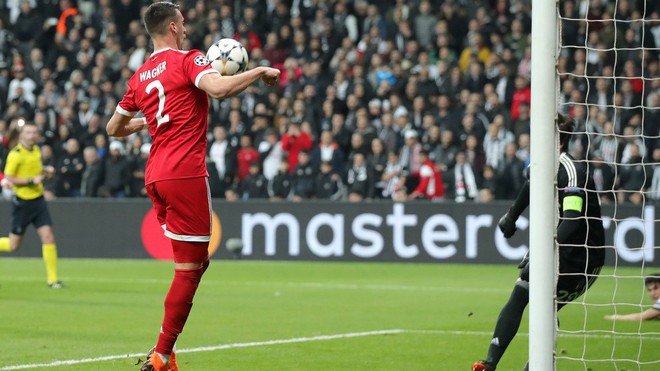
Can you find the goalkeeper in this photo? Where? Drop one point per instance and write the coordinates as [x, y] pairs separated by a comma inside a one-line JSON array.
[[652, 283], [580, 236]]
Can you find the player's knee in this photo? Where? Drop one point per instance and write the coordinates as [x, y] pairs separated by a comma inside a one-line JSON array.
[[48, 239], [521, 292], [15, 242], [14, 246], [191, 275], [46, 234]]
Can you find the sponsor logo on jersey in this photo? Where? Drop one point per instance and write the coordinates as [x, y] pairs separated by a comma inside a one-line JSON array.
[[201, 60]]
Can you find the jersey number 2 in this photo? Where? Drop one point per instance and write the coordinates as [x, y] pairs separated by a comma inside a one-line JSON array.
[[161, 101]]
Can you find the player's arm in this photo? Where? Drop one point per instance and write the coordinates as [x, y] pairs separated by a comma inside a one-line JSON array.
[[122, 126], [507, 222], [648, 314], [425, 175], [221, 87], [11, 168], [4, 182], [572, 206]]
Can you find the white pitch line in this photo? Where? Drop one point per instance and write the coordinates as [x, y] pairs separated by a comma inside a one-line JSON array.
[[206, 349], [296, 340], [312, 285]]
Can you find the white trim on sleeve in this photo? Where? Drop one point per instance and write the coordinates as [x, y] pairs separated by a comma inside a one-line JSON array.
[[199, 75], [123, 112]]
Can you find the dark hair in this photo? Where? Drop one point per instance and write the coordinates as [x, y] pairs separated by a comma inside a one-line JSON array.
[[158, 16], [566, 125], [652, 278]]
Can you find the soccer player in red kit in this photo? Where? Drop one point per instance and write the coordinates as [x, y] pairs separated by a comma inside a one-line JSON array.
[[171, 89]]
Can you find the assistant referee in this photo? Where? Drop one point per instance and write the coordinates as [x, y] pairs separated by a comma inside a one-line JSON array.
[[25, 172]]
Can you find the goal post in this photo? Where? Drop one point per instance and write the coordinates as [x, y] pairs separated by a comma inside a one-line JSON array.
[[598, 62], [542, 186]]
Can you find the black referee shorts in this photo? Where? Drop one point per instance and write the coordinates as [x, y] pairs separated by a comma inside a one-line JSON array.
[[26, 212]]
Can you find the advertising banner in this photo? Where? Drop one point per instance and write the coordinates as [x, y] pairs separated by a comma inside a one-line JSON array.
[[329, 231]]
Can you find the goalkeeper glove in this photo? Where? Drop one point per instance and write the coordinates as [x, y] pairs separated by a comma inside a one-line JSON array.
[[507, 225]]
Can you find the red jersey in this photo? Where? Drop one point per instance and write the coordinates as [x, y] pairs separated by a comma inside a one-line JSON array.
[[430, 181], [166, 90], [244, 158]]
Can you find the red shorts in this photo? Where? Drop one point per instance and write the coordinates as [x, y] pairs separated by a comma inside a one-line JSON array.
[[183, 208]]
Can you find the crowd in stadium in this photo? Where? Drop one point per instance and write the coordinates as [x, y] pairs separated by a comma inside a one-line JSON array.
[[377, 99]]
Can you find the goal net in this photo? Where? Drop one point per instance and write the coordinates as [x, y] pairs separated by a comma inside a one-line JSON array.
[[609, 82]]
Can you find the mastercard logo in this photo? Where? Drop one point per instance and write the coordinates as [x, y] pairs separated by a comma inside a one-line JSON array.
[[158, 245]]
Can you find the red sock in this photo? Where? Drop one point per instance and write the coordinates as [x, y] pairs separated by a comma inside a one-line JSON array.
[[179, 299], [178, 302]]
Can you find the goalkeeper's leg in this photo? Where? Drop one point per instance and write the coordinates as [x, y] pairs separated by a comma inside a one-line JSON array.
[[508, 322]]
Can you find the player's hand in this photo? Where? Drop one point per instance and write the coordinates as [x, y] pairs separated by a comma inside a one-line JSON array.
[[49, 171], [611, 317], [38, 179], [270, 76], [5, 183], [507, 225]]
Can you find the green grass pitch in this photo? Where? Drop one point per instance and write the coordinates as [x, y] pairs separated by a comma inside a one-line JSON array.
[[296, 316]]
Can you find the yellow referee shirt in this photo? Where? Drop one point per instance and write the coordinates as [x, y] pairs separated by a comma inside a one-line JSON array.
[[25, 163]]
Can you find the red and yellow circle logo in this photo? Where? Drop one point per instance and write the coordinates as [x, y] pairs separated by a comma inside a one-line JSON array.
[[159, 246]]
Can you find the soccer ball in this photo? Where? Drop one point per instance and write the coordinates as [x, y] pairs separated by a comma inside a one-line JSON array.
[[228, 56]]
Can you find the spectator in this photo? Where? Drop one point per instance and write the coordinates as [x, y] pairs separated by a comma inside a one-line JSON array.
[[223, 155], [509, 174], [92, 176], [521, 94], [475, 51], [117, 173], [633, 177], [387, 133], [462, 180], [254, 185], [495, 142], [377, 161], [328, 183], [430, 185], [281, 186], [409, 155], [69, 170], [303, 178], [21, 87], [270, 152], [603, 177], [244, 157], [48, 160], [359, 181], [424, 24], [138, 166], [328, 150], [295, 141]]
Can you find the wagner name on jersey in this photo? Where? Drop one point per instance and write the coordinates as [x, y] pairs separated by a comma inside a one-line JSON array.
[[176, 114]]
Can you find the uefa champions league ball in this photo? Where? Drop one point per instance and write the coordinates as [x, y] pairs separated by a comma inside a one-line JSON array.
[[228, 56]]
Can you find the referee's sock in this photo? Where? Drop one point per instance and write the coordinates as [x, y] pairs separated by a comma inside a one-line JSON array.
[[4, 244], [49, 251]]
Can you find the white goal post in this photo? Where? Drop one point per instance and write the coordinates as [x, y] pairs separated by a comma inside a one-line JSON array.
[[612, 59], [541, 202]]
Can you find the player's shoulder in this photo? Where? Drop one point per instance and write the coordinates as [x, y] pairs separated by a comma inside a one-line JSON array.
[[187, 56], [197, 57], [571, 165], [19, 151]]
